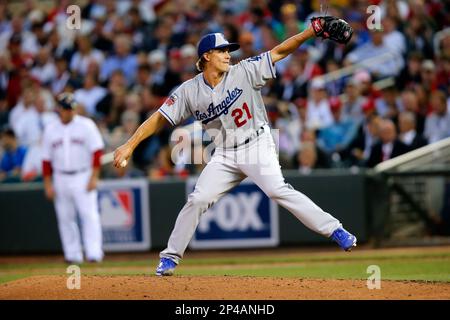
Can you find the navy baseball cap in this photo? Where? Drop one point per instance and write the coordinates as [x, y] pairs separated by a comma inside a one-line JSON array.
[[214, 41], [66, 101]]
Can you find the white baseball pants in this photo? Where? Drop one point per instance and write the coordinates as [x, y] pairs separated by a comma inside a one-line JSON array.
[[257, 160], [71, 196]]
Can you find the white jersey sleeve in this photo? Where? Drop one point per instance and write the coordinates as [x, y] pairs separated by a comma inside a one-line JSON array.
[[175, 109], [259, 69], [94, 138]]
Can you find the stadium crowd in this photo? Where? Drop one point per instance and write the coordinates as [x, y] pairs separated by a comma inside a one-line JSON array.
[[129, 55]]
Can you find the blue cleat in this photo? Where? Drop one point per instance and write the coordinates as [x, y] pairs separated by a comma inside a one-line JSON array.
[[344, 239], [166, 267]]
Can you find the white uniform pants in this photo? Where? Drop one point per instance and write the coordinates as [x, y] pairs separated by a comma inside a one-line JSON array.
[[257, 160], [72, 197]]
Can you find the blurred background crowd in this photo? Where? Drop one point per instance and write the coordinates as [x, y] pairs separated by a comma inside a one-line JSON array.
[[128, 55]]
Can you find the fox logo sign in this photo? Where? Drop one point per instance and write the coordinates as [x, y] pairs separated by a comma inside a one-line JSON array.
[[245, 217], [235, 212]]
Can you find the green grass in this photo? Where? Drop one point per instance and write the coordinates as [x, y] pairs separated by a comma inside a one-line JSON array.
[[12, 277], [425, 271], [419, 266]]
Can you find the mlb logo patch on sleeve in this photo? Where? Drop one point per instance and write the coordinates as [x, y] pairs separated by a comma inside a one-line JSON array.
[[171, 100]]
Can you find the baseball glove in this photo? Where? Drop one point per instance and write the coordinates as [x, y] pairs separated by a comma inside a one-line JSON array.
[[333, 28]]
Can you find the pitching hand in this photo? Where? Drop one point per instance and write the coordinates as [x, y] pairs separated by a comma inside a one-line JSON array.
[[121, 154]]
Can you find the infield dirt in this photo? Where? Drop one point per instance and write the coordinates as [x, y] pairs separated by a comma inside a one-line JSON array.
[[216, 288]]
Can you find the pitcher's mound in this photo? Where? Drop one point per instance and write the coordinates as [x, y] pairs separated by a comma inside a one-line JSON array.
[[216, 288]]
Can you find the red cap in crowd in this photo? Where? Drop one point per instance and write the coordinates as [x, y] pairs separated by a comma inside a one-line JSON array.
[[335, 103], [300, 103], [368, 106]]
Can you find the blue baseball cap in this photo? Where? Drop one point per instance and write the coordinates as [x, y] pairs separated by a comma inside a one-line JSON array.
[[214, 41]]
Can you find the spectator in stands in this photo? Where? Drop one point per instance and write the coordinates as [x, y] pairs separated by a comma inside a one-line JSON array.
[[25, 105], [157, 60], [5, 67], [393, 38], [389, 145], [187, 151], [101, 37], [4, 15], [365, 81], [437, 124], [291, 85], [318, 110], [84, 55], [189, 54], [44, 68], [188, 73], [4, 111], [374, 49], [310, 137], [418, 36], [410, 103], [290, 127], [27, 41], [246, 50], [143, 78], [150, 101], [359, 24], [309, 70], [16, 70], [112, 104], [141, 40], [130, 120], [30, 126], [336, 86], [90, 95], [255, 26], [443, 73], [163, 166], [359, 150], [162, 34], [122, 59], [410, 75], [428, 75], [388, 105], [307, 158], [58, 48], [289, 21], [336, 137], [408, 133], [11, 162], [171, 75], [353, 101], [62, 76]]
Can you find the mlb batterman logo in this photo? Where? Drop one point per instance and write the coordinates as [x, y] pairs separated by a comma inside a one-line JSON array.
[[124, 213], [116, 207], [171, 100]]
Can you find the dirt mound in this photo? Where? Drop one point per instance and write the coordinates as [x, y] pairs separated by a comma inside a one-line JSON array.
[[216, 288]]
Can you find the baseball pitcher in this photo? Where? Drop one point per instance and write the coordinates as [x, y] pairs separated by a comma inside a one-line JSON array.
[[227, 101]]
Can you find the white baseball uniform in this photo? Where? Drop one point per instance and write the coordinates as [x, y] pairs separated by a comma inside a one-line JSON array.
[[70, 148], [234, 113]]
